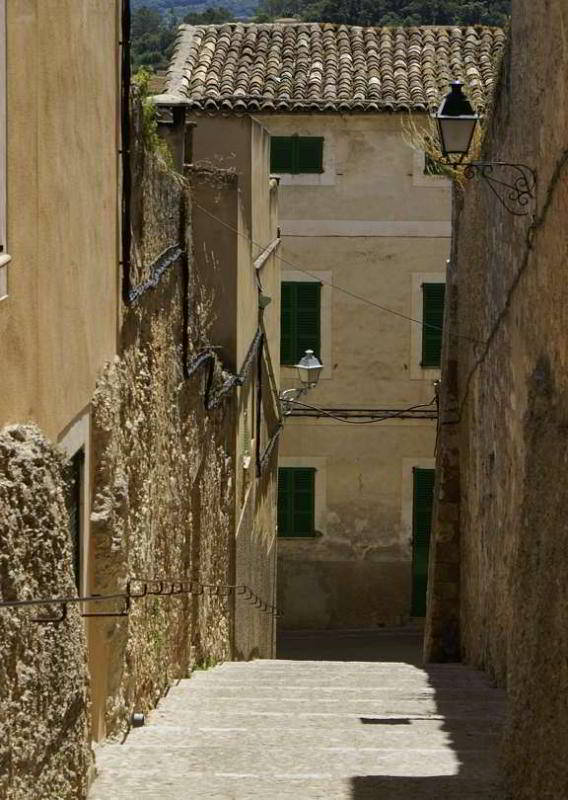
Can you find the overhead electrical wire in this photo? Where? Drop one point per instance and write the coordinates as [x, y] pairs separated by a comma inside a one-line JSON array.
[[370, 421], [331, 284]]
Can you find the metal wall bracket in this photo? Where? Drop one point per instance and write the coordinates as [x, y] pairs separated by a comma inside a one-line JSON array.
[[514, 185]]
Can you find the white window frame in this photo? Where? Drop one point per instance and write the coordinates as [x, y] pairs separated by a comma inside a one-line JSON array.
[[4, 257]]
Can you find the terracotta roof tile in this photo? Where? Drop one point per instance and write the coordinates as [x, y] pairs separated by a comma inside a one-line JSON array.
[[287, 67]]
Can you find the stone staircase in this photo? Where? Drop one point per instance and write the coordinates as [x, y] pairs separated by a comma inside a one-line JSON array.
[[313, 729]]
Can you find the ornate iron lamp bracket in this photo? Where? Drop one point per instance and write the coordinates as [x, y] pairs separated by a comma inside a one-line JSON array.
[[514, 185]]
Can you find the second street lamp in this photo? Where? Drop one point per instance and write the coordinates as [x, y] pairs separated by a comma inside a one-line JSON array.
[[309, 370]]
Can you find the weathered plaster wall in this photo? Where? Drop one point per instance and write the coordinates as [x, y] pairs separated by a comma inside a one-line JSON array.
[[44, 750], [374, 224], [502, 494], [62, 208], [235, 219]]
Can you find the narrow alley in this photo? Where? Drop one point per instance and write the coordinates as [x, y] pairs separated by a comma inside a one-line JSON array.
[[377, 725]]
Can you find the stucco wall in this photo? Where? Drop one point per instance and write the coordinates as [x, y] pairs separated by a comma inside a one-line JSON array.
[[235, 219], [501, 495], [375, 225], [62, 208], [44, 750]]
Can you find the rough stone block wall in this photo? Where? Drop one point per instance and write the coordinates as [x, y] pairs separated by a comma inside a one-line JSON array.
[[163, 475], [501, 536], [44, 749]]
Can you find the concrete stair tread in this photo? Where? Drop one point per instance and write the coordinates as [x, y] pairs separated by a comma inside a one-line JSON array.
[[312, 729]]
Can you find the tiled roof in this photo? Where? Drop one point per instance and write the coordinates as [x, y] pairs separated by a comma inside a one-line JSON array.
[[323, 67], [157, 83]]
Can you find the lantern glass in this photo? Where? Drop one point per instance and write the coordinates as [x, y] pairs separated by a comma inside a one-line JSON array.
[[309, 369], [456, 122]]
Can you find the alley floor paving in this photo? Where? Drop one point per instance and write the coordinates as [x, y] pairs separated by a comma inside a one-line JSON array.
[[378, 727]]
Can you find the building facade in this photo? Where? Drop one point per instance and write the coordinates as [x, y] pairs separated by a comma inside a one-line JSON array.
[[365, 238], [498, 592]]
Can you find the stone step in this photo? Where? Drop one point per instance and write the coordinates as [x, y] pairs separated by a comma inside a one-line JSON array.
[[387, 706], [309, 730], [285, 688], [203, 786], [297, 762], [379, 733], [261, 720]]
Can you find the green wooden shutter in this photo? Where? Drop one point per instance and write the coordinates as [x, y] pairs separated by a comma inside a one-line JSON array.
[[296, 501], [281, 154], [308, 308], [422, 526], [304, 502], [432, 323], [300, 325], [309, 154], [431, 166], [288, 324], [285, 502]]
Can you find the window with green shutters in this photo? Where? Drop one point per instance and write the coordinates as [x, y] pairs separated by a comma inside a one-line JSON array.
[[432, 323], [300, 320], [296, 501], [431, 166], [296, 154], [421, 528]]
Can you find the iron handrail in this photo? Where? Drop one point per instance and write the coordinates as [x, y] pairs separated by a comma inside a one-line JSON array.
[[137, 588]]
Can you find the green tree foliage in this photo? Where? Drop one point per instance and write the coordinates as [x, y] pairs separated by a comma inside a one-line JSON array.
[[154, 24], [152, 33], [214, 15], [152, 38], [390, 12]]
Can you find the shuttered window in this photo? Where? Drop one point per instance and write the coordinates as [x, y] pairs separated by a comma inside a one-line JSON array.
[[300, 322], [432, 323], [431, 166], [422, 525], [296, 501], [296, 154]]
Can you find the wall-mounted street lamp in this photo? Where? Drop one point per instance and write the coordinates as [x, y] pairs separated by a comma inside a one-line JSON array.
[[514, 185], [309, 370]]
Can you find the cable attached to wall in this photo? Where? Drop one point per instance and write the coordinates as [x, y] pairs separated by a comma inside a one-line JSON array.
[[331, 284], [396, 414]]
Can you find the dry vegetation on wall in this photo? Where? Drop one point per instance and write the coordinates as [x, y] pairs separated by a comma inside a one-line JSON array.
[[44, 750]]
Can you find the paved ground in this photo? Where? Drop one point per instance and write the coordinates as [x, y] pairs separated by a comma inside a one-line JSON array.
[[366, 729]]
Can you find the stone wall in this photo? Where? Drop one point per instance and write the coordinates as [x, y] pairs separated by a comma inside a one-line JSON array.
[[161, 509], [163, 488], [44, 751], [498, 589]]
